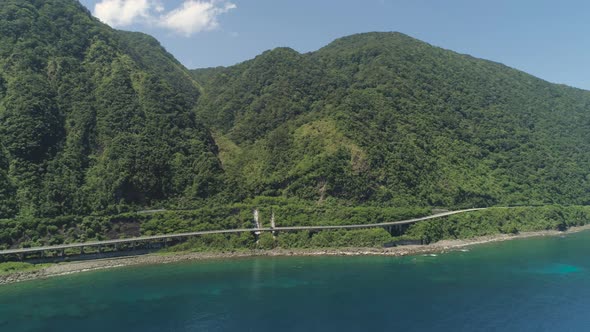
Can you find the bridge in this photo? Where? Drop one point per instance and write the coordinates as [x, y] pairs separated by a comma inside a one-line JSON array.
[[163, 240]]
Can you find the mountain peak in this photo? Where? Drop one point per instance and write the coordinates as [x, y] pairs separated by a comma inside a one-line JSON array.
[[360, 39]]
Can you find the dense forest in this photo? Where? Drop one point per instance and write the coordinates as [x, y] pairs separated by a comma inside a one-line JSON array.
[[96, 123], [92, 118], [387, 119]]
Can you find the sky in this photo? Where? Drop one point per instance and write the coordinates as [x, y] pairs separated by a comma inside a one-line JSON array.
[[549, 39]]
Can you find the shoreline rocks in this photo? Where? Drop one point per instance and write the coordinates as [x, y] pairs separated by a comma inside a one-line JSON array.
[[152, 259]]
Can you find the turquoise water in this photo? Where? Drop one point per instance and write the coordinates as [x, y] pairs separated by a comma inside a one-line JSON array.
[[523, 285]]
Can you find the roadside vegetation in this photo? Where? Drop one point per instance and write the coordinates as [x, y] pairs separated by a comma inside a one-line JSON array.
[[501, 221], [461, 226], [33, 232], [38, 232], [14, 267]]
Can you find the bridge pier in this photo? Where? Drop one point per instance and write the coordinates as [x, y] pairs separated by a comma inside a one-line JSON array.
[[273, 224], [396, 230], [256, 235], [81, 250]]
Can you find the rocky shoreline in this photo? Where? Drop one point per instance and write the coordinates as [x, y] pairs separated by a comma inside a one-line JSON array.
[[151, 259]]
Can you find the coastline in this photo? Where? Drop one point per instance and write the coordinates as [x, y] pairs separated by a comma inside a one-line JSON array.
[[443, 246]]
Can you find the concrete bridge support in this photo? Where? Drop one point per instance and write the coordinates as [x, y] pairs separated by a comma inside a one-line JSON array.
[[396, 230]]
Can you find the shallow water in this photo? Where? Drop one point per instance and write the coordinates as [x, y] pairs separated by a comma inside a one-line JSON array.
[[540, 284]]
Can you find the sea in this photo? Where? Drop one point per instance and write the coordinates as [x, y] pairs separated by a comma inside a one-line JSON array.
[[536, 284]]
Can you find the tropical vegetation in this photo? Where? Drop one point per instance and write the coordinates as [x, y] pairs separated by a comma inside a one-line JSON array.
[[97, 124]]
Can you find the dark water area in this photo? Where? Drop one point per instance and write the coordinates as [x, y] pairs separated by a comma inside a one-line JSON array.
[[540, 284]]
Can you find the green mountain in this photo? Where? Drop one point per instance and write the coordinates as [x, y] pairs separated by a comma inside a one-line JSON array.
[[92, 118], [95, 120], [388, 119]]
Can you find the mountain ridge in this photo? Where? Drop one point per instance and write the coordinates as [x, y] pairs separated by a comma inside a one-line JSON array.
[[95, 120], [464, 89], [197, 70]]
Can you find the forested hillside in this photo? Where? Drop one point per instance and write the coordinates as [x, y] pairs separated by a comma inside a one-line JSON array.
[[387, 119], [99, 121], [92, 118]]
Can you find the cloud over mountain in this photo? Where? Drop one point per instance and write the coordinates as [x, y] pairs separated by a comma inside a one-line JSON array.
[[190, 17]]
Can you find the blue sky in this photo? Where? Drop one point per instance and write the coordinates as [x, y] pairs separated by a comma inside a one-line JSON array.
[[548, 39]]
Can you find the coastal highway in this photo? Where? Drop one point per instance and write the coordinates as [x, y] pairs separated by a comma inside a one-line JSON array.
[[155, 238]]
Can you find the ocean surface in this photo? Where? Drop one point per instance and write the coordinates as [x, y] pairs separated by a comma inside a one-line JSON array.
[[540, 284]]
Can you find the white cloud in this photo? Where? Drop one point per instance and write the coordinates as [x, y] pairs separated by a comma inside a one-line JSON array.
[[123, 12], [195, 16], [191, 17]]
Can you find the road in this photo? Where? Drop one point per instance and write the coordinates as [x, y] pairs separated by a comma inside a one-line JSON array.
[[225, 231]]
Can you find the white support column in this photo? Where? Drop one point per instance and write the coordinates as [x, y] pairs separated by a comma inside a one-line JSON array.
[[272, 223], [257, 221]]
